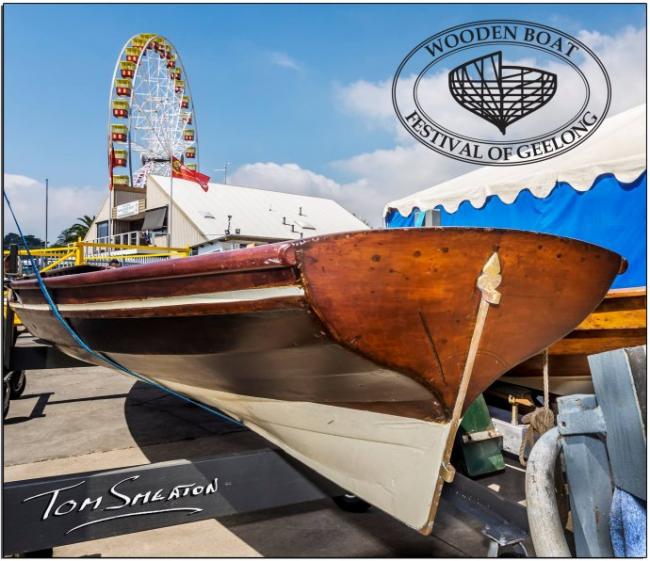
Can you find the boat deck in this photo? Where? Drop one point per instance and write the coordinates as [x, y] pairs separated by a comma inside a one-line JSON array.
[[80, 419]]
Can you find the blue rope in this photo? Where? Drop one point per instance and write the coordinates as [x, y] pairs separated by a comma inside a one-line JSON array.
[[112, 363]]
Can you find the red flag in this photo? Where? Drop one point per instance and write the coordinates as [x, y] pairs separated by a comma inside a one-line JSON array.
[[111, 165], [179, 171]]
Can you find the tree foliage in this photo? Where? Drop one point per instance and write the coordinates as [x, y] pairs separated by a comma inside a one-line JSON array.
[[32, 241], [78, 230]]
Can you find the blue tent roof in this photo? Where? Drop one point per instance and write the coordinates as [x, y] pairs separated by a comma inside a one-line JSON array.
[[610, 214]]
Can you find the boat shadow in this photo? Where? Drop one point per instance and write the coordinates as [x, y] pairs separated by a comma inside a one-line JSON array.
[[167, 428]]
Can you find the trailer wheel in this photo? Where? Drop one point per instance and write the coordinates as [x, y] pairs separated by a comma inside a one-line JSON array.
[[18, 383], [6, 396], [351, 503]]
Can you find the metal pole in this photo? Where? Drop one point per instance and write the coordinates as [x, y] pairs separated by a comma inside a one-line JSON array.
[[224, 169], [544, 521], [111, 202], [46, 207], [171, 208]]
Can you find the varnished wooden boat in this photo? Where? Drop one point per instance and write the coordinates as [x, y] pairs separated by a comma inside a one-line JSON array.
[[619, 321], [352, 352]]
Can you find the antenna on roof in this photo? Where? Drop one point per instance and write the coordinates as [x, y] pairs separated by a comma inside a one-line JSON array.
[[224, 169]]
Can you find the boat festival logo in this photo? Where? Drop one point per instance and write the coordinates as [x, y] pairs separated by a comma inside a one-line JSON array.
[[501, 92]]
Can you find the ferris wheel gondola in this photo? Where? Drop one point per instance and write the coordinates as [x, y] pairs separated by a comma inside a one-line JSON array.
[[151, 116]]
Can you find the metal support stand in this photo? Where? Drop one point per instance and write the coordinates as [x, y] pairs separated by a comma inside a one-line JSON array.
[[602, 437], [505, 522], [503, 541]]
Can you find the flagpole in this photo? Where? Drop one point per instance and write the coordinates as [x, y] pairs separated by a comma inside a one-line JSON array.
[[111, 198], [46, 208], [171, 206], [110, 209]]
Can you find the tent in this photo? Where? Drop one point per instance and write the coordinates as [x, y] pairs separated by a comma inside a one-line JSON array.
[[596, 193]]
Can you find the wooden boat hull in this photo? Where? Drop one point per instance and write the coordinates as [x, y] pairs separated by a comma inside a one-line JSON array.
[[347, 351], [619, 321]]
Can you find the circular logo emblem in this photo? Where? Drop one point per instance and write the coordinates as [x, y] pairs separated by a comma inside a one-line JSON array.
[[501, 92]]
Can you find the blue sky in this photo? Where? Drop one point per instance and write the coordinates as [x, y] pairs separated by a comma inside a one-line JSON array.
[[272, 84]]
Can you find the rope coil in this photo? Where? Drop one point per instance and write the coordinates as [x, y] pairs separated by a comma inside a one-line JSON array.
[[539, 421]]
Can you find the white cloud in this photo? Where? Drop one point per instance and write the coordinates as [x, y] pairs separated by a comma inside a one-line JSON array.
[[369, 100], [624, 57], [284, 60], [385, 175], [66, 203], [288, 178], [380, 176]]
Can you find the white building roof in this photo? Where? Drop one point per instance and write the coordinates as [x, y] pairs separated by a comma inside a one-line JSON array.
[[257, 212], [617, 147]]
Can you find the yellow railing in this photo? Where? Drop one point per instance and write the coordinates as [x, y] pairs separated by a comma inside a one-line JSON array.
[[83, 252], [5, 299], [65, 257]]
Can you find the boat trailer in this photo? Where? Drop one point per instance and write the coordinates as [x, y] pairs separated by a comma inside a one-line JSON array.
[[60, 510]]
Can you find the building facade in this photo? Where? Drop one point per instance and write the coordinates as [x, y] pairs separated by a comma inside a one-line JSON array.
[[179, 213]]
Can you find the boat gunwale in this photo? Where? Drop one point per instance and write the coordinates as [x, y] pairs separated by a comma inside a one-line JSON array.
[[279, 255], [269, 257]]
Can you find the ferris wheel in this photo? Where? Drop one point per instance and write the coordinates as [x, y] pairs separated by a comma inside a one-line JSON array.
[[151, 117]]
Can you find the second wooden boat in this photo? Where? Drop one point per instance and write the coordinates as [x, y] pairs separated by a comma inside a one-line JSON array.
[[619, 321], [355, 353]]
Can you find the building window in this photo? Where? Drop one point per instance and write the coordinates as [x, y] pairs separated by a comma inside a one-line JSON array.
[[155, 220], [102, 229]]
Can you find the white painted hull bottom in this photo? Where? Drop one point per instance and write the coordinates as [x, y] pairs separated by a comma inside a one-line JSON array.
[[391, 462]]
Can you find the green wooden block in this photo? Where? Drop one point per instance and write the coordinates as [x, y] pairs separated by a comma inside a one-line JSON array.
[[482, 455]]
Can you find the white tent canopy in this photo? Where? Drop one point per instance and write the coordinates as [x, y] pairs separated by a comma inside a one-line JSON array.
[[617, 147]]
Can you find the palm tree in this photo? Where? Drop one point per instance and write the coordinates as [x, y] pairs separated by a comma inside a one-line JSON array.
[[78, 230]]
